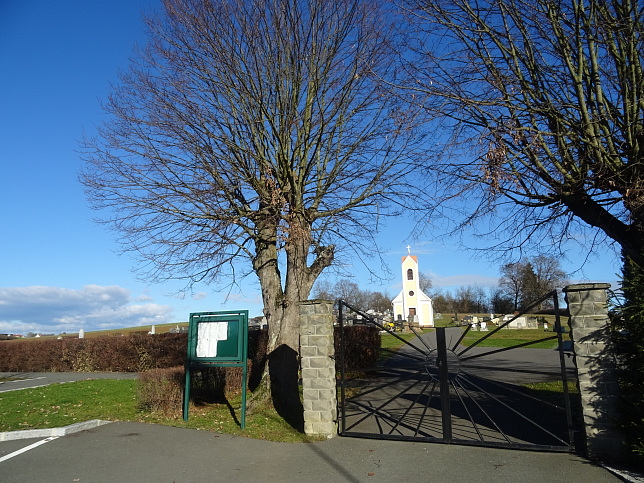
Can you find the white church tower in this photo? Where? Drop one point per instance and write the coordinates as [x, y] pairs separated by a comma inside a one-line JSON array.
[[411, 301]]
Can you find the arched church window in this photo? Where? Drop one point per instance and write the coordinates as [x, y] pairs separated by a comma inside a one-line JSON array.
[[410, 274]]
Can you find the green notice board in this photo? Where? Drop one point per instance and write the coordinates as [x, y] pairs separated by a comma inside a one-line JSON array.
[[217, 339]]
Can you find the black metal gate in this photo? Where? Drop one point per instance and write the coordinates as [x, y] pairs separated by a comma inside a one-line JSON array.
[[477, 384]]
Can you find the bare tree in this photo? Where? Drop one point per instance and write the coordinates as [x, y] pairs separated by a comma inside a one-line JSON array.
[[255, 137], [525, 281], [512, 282], [350, 292], [380, 302], [324, 289], [548, 275], [425, 282], [470, 299], [546, 100], [443, 303]]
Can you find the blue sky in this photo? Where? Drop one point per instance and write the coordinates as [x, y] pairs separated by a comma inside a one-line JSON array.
[[59, 270]]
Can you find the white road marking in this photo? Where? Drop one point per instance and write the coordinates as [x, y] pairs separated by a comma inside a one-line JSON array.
[[32, 387], [21, 380], [23, 388], [28, 448]]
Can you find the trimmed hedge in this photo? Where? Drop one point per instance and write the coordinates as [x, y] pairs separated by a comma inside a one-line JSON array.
[[143, 352], [361, 347], [135, 353], [161, 390]]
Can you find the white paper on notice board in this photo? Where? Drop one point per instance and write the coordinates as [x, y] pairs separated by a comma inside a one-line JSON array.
[[208, 334]]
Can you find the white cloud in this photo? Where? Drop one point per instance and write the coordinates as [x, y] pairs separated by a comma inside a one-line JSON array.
[[56, 309], [199, 296]]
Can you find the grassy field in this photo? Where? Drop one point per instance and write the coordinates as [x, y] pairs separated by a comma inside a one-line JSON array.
[[503, 338], [392, 343], [158, 329], [62, 404], [116, 400], [512, 337]]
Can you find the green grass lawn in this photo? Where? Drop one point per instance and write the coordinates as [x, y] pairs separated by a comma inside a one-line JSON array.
[[391, 342], [503, 338], [116, 400], [552, 392], [63, 404], [512, 337], [552, 386]]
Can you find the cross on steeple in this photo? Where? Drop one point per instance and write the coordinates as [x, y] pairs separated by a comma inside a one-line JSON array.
[[408, 250]]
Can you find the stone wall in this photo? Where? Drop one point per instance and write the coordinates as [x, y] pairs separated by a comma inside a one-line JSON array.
[[318, 368], [596, 368]]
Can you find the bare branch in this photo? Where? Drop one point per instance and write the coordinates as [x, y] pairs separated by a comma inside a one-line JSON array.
[[547, 107]]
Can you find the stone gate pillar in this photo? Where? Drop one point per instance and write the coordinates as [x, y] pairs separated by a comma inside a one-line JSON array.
[[318, 368], [596, 368]]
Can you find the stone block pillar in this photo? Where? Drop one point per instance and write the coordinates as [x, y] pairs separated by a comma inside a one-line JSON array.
[[596, 368], [318, 368]]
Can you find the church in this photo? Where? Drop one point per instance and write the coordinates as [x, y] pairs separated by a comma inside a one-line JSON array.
[[411, 301]]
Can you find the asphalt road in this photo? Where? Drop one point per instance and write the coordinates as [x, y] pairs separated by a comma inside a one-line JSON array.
[[403, 399], [14, 381], [136, 452]]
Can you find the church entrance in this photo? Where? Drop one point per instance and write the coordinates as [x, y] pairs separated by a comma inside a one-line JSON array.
[[478, 384]]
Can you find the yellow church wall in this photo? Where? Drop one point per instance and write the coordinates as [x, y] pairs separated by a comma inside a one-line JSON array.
[[427, 319], [405, 301]]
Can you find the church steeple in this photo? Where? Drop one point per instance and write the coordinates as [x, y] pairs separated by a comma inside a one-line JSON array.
[[412, 304]]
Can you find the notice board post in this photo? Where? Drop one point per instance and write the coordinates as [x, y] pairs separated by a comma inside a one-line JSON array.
[[217, 339]]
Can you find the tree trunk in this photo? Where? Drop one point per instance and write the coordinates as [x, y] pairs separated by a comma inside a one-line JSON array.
[[279, 384]]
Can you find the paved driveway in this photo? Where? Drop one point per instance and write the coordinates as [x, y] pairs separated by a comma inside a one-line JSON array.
[[135, 452], [487, 401]]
